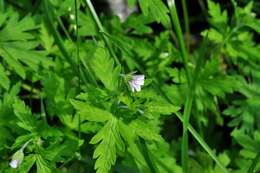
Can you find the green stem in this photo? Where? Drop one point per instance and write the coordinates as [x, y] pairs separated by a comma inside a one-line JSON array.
[[185, 145], [63, 28], [179, 34], [203, 144], [193, 132], [186, 23], [43, 113], [59, 42], [147, 156], [56, 35], [189, 98], [102, 31], [78, 61]]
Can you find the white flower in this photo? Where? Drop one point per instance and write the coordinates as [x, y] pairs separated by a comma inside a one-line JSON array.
[[136, 82], [18, 156], [17, 159], [14, 163]]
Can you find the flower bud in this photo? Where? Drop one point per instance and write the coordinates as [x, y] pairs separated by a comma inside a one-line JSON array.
[[17, 159]]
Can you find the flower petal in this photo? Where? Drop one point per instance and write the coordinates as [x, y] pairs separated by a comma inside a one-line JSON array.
[[14, 163], [136, 82]]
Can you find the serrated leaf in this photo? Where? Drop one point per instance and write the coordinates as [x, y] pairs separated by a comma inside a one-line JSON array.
[[162, 107], [23, 113], [145, 130], [91, 113], [108, 140], [54, 88], [18, 44], [4, 80], [157, 10], [27, 164], [8, 33], [87, 26], [21, 140], [103, 66], [213, 35], [13, 63], [47, 39], [247, 142], [42, 165], [217, 16], [61, 150]]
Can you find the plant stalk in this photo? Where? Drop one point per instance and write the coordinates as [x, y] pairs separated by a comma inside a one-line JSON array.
[[78, 61], [147, 156], [102, 31], [189, 97], [186, 23]]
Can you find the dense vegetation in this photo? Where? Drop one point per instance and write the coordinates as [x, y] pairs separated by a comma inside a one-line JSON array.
[[73, 97]]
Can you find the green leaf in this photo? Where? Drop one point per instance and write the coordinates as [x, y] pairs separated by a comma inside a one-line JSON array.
[[108, 140], [13, 63], [139, 23], [27, 163], [213, 35], [21, 140], [59, 151], [87, 26], [54, 89], [161, 107], [218, 18], [103, 66], [47, 39], [17, 46], [145, 130], [247, 142], [42, 165], [157, 10], [91, 113], [25, 118], [4, 80], [8, 33]]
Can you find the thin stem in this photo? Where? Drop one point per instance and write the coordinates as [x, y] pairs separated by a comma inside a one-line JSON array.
[[25, 145], [59, 42], [193, 132], [179, 34], [43, 113], [186, 23], [185, 145], [63, 28], [203, 144], [78, 59], [56, 35], [102, 31], [189, 97], [147, 156], [31, 93]]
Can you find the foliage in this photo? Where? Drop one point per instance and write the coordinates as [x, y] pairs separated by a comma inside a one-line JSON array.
[[66, 103]]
